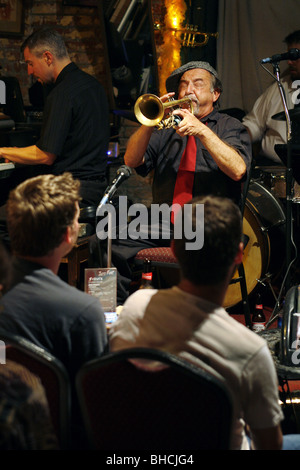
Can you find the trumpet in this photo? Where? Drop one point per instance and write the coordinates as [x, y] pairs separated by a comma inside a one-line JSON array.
[[190, 35], [150, 110]]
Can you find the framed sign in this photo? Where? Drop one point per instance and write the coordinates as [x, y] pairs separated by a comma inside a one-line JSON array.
[[102, 284], [11, 18]]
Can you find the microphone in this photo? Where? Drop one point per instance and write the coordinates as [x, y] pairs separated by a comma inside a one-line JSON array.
[[122, 174], [292, 54]]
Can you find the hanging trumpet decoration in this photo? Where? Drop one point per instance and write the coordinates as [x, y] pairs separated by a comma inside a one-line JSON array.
[[150, 110], [189, 36]]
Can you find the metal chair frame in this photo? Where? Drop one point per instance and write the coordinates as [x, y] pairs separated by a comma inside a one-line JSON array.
[[49, 369]]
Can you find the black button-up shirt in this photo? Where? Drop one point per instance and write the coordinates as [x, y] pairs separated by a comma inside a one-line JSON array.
[[166, 148], [76, 124]]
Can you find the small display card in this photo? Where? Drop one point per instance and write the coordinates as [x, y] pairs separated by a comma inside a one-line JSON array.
[[102, 283]]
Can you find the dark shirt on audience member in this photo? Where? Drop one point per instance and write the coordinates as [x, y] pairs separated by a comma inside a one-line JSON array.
[[47, 311]]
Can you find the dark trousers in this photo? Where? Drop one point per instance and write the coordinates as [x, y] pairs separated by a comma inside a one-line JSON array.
[[123, 252], [92, 191]]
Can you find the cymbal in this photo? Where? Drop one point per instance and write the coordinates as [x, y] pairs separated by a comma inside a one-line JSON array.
[[294, 115]]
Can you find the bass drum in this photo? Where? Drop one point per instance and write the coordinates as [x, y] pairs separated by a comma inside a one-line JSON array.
[[264, 252]]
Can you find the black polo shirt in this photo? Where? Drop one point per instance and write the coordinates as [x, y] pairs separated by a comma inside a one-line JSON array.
[[166, 148], [76, 124]]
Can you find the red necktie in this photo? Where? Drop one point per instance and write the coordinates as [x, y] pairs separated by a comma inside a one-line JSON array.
[[183, 191]]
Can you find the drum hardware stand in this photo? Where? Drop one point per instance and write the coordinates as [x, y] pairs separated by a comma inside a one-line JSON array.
[[285, 395], [266, 282], [289, 178], [278, 224], [275, 312]]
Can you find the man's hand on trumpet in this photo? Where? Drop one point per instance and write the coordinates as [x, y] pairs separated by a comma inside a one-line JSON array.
[[190, 124]]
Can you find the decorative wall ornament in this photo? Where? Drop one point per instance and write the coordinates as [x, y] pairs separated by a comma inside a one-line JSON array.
[[11, 18], [168, 58]]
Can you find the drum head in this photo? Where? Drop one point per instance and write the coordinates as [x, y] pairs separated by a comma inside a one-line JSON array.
[[264, 227], [255, 257]]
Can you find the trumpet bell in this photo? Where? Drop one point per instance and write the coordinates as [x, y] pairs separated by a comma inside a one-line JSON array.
[[149, 110]]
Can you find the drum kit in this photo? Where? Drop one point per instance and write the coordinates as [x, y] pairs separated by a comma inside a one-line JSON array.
[[265, 223], [264, 227], [267, 208]]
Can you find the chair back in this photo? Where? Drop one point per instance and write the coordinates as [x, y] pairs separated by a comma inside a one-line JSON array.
[[53, 376], [175, 407]]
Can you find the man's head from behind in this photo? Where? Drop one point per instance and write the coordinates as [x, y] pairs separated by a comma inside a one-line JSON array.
[[222, 247], [40, 212]]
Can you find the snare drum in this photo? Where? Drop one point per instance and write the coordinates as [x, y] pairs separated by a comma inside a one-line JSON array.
[[264, 253], [274, 178]]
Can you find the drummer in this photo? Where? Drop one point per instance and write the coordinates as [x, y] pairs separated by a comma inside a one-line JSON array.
[[259, 123]]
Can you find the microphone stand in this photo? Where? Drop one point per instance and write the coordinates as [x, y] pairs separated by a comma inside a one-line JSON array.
[[109, 240], [289, 178], [98, 243], [123, 173]]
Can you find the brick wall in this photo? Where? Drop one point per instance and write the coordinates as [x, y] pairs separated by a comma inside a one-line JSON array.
[[80, 27], [136, 188]]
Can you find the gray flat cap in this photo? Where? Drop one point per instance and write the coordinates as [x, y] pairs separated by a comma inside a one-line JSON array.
[[173, 80]]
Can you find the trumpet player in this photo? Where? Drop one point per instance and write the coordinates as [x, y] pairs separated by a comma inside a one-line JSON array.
[[223, 148], [219, 144]]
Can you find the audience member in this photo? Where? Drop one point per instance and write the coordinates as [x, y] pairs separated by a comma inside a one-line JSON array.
[[25, 422], [189, 320], [42, 218]]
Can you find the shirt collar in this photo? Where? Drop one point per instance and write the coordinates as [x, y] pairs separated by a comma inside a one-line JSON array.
[[213, 116], [67, 69], [204, 304], [22, 268]]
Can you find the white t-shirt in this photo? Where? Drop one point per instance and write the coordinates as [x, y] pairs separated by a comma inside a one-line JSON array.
[[260, 123], [205, 335]]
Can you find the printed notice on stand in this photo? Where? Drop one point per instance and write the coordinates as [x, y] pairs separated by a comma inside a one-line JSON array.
[[102, 284]]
